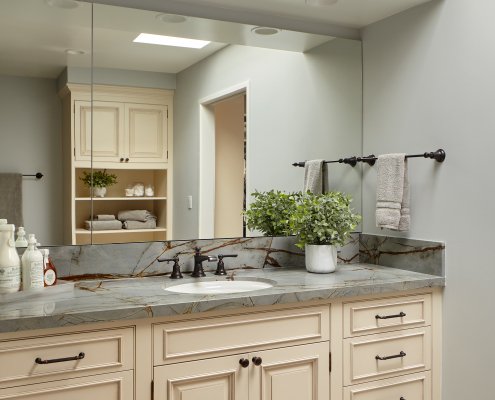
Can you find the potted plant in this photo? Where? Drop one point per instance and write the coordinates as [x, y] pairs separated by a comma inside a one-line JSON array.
[[98, 181], [321, 222], [270, 212]]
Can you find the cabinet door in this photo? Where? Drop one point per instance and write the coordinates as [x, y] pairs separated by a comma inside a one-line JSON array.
[[220, 378], [117, 386], [298, 372], [108, 131], [146, 131]]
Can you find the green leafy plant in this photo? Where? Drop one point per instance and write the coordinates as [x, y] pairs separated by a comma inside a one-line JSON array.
[[323, 219], [271, 212], [99, 179]]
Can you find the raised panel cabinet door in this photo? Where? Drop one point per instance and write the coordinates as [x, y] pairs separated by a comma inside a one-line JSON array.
[[297, 372], [115, 386], [146, 131], [108, 131], [222, 378]]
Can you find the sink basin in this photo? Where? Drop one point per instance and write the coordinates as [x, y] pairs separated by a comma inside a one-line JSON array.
[[219, 287]]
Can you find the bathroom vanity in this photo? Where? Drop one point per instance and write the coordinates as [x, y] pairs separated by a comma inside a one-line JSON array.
[[366, 333]]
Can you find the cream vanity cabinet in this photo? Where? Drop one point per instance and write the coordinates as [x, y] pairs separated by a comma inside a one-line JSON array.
[[308, 351], [127, 131], [273, 355]]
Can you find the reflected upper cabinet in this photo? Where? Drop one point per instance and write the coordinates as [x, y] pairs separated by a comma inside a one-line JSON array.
[[130, 135]]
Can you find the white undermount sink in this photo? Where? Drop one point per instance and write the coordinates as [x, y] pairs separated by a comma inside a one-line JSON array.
[[220, 287]]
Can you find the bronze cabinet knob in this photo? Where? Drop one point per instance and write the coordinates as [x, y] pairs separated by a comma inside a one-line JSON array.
[[257, 361], [244, 362]]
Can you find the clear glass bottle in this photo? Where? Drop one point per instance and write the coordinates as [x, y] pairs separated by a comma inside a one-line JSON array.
[[32, 266], [10, 263], [49, 273]]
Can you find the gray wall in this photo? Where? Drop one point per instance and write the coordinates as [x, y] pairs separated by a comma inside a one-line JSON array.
[[301, 106], [31, 141], [429, 82]]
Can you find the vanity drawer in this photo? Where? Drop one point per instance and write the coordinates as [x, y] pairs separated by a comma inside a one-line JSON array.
[[361, 362], [183, 341], [374, 316], [409, 387], [22, 361]]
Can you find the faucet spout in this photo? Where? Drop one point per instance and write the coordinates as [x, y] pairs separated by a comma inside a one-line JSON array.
[[198, 263]]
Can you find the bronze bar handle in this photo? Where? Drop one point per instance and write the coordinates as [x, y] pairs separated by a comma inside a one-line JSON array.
[[57, 360], [400, 355], [402, 398], [257, 361], [244, 362], [400, 315]]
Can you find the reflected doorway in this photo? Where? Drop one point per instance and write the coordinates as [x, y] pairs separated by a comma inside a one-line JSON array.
[[223, 160]]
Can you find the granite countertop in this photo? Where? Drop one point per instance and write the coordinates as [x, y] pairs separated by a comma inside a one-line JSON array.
[[135, 298]]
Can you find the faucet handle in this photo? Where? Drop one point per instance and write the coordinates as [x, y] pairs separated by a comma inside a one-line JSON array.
[[176, 274], [221, 266]]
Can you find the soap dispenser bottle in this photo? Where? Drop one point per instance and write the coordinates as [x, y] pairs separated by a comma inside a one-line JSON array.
[[10, 263], [32, 266], [49, 273]]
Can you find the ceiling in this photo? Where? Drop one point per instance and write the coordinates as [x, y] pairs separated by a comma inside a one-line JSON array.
[[34, 36]]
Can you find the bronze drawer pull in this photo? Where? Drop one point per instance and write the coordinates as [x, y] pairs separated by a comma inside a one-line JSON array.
[[400, 355], [57, 360], [244, 362], [400, 315], [257, 361], [402, 398]]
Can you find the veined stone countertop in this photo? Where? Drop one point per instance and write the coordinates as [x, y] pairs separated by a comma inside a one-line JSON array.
[[135, 298]]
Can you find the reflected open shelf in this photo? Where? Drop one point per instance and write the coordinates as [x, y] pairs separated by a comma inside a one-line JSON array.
[[119, 231], [119, 198]]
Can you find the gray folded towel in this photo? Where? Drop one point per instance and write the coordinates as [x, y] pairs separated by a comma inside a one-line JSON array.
[[392, 193], [103, 225], [104, 217], [151, 224], [11, 198], [135, 215], [315, 176]]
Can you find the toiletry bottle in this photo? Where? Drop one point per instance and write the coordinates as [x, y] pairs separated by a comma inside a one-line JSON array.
[[21, 238], [10, 264], [32, 266], [50, 273]]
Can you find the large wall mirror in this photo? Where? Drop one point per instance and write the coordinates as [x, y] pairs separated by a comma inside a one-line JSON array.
[[189, 128]]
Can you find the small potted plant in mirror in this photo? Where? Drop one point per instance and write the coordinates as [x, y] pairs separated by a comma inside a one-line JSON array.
[[321, 222], [270, 212], [98, 181]]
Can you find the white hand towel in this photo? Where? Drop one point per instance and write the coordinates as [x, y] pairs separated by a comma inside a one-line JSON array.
[[315, 176], [392, 193]]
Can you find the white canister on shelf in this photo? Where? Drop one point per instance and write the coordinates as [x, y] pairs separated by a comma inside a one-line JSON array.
[[32, 266], [10, 263]]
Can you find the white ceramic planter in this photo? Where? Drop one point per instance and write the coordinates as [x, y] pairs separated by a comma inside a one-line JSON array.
[[99, 192], [321, 259]]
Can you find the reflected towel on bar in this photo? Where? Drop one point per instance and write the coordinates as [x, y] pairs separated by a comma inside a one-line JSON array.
[[315, 176], [11, 198], [103, 225], [151, 224], [392, 193], [135, 215]]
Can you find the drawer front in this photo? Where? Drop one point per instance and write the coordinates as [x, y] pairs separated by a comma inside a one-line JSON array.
[[23, 361], [367, 317], [387, 354], [115, 386], [183, 341], [409, 387]]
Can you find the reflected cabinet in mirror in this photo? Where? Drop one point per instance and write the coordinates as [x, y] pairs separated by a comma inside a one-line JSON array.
[[180, 118]]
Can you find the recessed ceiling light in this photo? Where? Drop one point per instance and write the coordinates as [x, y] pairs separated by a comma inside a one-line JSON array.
[[75, 52], [171, 18], [321, 2], [265, 31], [170, 41], [65, 4]]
